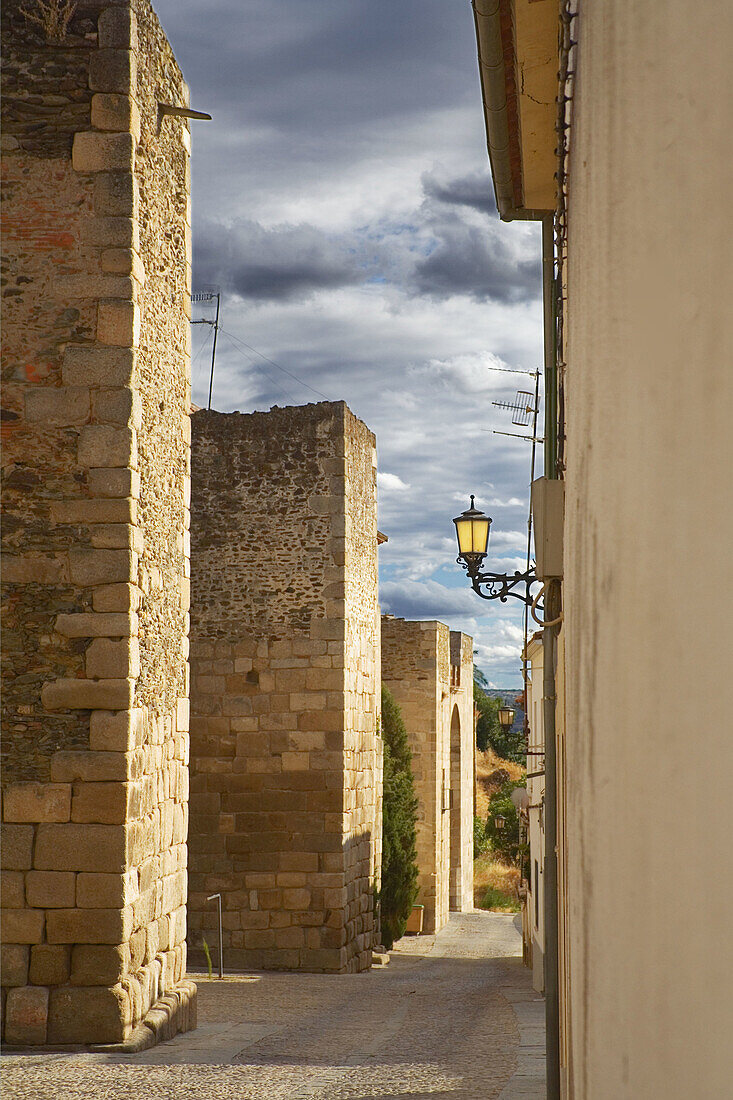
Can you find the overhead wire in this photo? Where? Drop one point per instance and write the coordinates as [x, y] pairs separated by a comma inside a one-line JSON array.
[[250, 359], [204, 342], [267, 359]]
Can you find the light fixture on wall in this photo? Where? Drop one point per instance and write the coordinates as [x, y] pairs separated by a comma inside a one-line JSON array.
[[506, 718], [499, 821], [472, 531]]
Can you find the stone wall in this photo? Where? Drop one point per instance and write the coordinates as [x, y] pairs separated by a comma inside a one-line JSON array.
[[95, 463], [286, 780], [430, 673], [463, 771]]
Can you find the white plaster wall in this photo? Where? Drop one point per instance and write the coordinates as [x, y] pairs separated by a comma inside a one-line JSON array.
[[535, 793], [649, 528]]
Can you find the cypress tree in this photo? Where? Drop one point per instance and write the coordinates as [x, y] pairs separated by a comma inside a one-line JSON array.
[[399, 817]]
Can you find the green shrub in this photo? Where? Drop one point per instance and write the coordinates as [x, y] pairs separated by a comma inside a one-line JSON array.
[[481, 842], [399, 818], [505, 841], [488, 729], [497, 899], [508, 744]]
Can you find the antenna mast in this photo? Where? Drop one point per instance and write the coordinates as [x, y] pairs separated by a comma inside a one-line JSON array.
[[524, 410], [208, 296], [213, 347]]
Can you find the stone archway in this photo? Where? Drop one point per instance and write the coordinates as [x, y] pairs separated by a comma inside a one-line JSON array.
[[455, 811]]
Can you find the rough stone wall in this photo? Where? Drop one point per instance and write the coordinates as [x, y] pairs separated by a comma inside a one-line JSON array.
[[362, 746], [284, 629], [95, 481], [462, 771], [416, 667]]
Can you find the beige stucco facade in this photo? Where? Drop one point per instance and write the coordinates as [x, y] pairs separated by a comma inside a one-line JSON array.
[[649, 523], [429, 670], [535, 900], [643, 654]]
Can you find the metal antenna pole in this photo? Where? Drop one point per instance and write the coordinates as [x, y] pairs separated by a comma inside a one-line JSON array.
[[529, 539], [213, 360]]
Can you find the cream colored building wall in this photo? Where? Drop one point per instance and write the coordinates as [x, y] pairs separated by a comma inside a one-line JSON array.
[[649, 526], [535, 798]]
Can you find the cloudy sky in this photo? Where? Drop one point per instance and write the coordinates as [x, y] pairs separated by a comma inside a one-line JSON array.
[[342, 202]]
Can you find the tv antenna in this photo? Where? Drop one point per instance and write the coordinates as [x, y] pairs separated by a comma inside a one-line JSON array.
[[525, 409], [522, 407], [209, 294]]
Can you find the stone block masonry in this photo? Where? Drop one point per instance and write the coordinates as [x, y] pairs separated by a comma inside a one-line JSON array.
[[95, 431], [463, 771], [429, 670], [285, 756]]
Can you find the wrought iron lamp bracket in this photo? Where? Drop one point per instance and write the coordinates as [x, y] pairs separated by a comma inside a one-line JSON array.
[[499, 586]]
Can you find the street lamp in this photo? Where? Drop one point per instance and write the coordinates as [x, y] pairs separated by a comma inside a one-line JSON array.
[[499, 821], [506, 718], [472, 531]]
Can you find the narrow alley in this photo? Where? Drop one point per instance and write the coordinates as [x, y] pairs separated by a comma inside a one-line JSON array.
[[452, 1014]]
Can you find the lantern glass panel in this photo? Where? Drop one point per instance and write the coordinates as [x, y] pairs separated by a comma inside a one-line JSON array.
[[473, 535]]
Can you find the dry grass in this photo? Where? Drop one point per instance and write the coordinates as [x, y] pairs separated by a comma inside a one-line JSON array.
[[503, 880], [491, 772], [489, 873]]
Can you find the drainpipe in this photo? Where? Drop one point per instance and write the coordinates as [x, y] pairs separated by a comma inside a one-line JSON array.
[[549, 310], [549, 636], [552, 991]]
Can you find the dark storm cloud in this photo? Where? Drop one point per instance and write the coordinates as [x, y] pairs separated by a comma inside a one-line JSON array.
[[426, 599], [284, 262], [321, 172], [474, 260], [474, 190], [290, 262], [302, 65]]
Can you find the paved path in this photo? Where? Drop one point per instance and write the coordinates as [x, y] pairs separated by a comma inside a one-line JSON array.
[[453, 1015]]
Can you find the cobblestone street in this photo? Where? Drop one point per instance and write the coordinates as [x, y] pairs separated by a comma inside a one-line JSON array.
[[453, 1014]]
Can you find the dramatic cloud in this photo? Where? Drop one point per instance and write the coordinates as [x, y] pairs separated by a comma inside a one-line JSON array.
[[474, 190], [287, 261], [425, 600], [342, 200], [474, 260]]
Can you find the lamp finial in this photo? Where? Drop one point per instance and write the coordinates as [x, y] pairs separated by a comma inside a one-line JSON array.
[[472, 500]]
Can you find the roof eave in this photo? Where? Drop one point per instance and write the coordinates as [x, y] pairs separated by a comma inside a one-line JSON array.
[[500, 109]]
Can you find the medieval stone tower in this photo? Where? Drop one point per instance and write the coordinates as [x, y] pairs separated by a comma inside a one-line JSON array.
[[286, 761], [96, 444]]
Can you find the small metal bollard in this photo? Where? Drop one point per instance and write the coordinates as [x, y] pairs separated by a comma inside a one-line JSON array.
[[221, 933]]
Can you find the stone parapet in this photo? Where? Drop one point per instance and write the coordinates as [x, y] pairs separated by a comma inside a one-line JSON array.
[[285, 784]]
